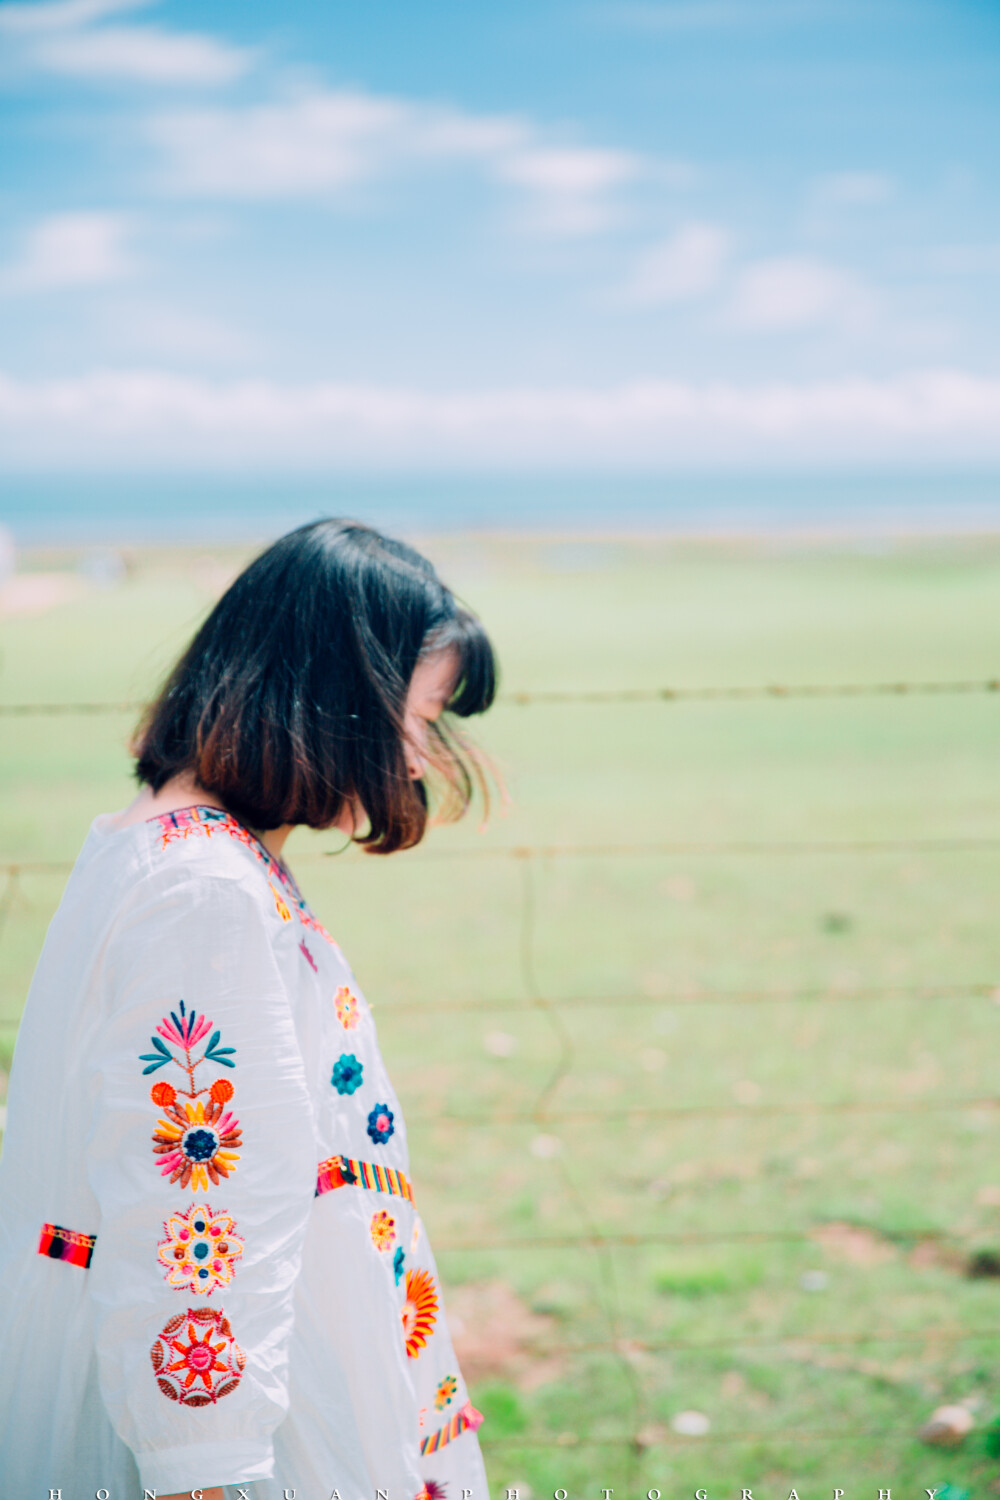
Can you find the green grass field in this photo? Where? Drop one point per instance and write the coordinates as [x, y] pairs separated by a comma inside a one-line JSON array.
[[636, 978]]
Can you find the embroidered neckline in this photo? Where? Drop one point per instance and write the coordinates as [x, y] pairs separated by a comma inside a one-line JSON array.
[[190, 819], [204, 820]]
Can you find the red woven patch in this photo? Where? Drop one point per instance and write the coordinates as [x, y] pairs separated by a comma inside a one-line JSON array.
[[66, 1244]]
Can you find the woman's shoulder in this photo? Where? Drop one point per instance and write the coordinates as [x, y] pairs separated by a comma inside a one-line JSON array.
[[191, 853], [204, 836], [199, 861]]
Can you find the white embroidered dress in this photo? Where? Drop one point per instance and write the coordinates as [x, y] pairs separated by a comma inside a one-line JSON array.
[[198, 1105]]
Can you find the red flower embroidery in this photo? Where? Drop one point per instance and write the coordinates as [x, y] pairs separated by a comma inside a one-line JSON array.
[[197, 1346]]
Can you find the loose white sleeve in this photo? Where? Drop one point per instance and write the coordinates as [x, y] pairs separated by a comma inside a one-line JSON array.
[[201, 1154]]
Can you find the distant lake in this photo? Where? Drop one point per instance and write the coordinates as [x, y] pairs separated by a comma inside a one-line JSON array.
[[80, 510]]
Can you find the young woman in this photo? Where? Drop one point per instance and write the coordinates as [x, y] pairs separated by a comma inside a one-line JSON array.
[[213, 1274]]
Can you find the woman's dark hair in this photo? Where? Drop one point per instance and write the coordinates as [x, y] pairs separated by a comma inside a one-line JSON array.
[[288, 704]]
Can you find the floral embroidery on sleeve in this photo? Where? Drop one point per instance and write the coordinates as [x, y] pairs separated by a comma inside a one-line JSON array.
[[201, 1249], [184, 1032], [197, 1346], [195, 1358], [197, 1136], [194, 1141]]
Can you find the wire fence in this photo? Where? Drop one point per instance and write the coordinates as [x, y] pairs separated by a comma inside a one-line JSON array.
[[741, 693], [598, 1237], [526, 853], [543, 1109]]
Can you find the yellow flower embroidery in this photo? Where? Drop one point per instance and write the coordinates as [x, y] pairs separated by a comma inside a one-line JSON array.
[[346, 1006], [383, 1229], [196, 1143], [445, 1391], [201, 1249]]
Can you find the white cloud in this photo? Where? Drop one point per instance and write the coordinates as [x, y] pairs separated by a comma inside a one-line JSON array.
[[67, 250], [326, 140], [138, 418], [454, 133], [290, 149], [569, 170], [680, 268], [62, 38], [791, 292], [61, 15], [314, 142], [142, 54], [571, 186]]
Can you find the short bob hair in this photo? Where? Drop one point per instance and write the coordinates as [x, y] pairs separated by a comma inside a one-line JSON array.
[[288, 705]]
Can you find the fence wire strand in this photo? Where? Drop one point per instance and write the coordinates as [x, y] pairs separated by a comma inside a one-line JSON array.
[[765, 848], [738, 693], [712, 1111], [770, 691], [635, 1238], [819, 994], [641, 1444]]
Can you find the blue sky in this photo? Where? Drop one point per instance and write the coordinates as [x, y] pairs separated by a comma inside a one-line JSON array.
[[661, 234]]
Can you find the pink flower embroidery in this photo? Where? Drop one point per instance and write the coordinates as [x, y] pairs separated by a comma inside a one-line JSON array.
[[184, 1031]]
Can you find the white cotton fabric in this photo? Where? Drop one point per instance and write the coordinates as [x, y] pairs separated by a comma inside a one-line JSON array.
[[347, 1364]]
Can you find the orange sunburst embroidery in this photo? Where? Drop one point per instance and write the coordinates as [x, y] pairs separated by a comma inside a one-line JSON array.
[[419, 1312], [195, 1359]]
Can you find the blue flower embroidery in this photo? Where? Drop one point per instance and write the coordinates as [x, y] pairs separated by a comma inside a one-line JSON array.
[[397, 1264], [346, 1076], [380, 1126]]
